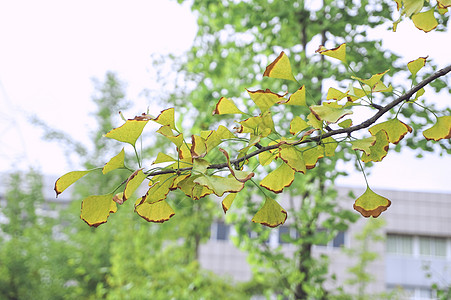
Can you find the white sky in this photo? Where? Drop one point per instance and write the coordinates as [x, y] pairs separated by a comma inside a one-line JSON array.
[[50, 50]]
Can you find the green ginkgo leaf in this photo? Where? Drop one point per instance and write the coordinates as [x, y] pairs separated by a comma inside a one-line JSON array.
[[345, 124], [177, 139], [95, 210], [68, 179], [220, 185], [278, 179], [395, 129], [297, 98], [440, 130], [379, 150], [129, 132], [292, 157], [162, 158], [373, 80], [157, 212], [193, 190], [198, 147], [371, 204], [271, 214], [364, 144], [115, 163], [280, 68], [329, 111]]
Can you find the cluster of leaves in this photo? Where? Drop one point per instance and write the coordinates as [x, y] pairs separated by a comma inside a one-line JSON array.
[[422, 16], [308, 140]]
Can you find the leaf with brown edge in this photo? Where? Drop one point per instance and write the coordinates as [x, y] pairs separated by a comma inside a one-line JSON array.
[[264, 99], [67, 180], [292, 157], [133, 182], [395, 129], [278, 179], [193, 190], [330, 112], [425, 20], [337, 52], [95, 210], [371, 82], [166, 117], [162, 185], [297, 98], [280, 68], [371, 204], [115, 163], [129, 132], [379, 150], [241, 176], [227, 202], [314, 122], [157, 212], [297, 125], [119, 198], [415, 65], [444, 3], [226, 106], [177, 139], [311, 156], [334, 94], [271, 214], [220, 185], [198, 147], [440, 130], [364, 144]]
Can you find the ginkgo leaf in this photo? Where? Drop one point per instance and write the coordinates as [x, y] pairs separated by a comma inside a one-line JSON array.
[[380, 87], [330, 111], [336, 94], [371, 204], [115, 163], [395, 129], [329, 145], [226, 106], [425, 20], [355, 93], [280, 68], [162, 158], [193, 190], [313, 121], [297, 98], [133, 183], [241, 176], [198, 147], [220, 185], [265, 158], [95, 210], [292, 157], [338, 52], [129, 132], [379, 150], [264, 99], [160, 188], [227, 202], [166, 117], [419, 94], [311, 156], [271, 214], [444, 3], [177, 139], [345, 124], [415, 65], [68, 179], [200, 165], [259, 125], [412, 7], [278, 179], [440, 130], [364, 144], [157, 212], [297, 125], [372, 80]]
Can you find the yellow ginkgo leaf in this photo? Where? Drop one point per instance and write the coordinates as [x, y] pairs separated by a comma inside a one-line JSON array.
[[157, 212], [412, 7], [336, 94], [227, 202], [313, 121], [95, 210], [338, 52], [345, 124], [166, 117], [226, 106], [280, 68], [297, 98], [177, 139], [371, 204], [220, 185], [198, 147], [364, 144], [264, 99], [311, 156], [444, 3], [395, 129], [271, 214], [278, 179], [161, 158], [329, 111], [68, 179], [415, 65], [129, 132], [425, 20], [371, 82], [379, 150], [440, 130], [133, 183], [115, 163], [297, 125], [193, 190], [292, 157]]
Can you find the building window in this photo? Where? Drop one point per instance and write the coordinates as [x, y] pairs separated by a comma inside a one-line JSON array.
[[222, 231], [399, 244], [339, 240], [284, 234], [432, 246]]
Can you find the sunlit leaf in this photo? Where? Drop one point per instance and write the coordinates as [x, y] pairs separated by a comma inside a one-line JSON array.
[[395, 129], [292, 157], [68, 179], [415, 65], [162, 158], [198, 147], [372, 80], [297, 125], [220, 185], [115, 163], [200, 165], [95, 210], [364, 144], [226, 106], [166, 117], [329, 111], [265, 158], [227, 202], [313, 121], [160, 188], [260, 125], [412, 7], [338, 52], [133, 182], [280, 68], [379, 150], [335, 94], [157, 212], [129, 132], [271, 214], [297, 98], [371, 204], [278, 179], [440, 130], [264, 99], [311, 156], [177, 139], [425, 20]]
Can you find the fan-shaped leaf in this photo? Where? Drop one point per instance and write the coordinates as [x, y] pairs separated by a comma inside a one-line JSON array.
[[364, 144], [157, 212], [115, 163], [129, 132], [338, 52], [166, 117], [280, 68], [345, 124], [271, 214], [336, 94], [167, 132], [133, 182], [198, 147], [226, 106], [193, 190], [227, 202], [67, 180], [372, 80], [297, 125], [264, 99], [329, 111], [95, 210], [440, 130], [395, 129], [161, 158], [297, 98], [425, 20], [278, 179], [379, 150], [371, 204], [416, 65], [220, 185], [311, 156], [292, 157]]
